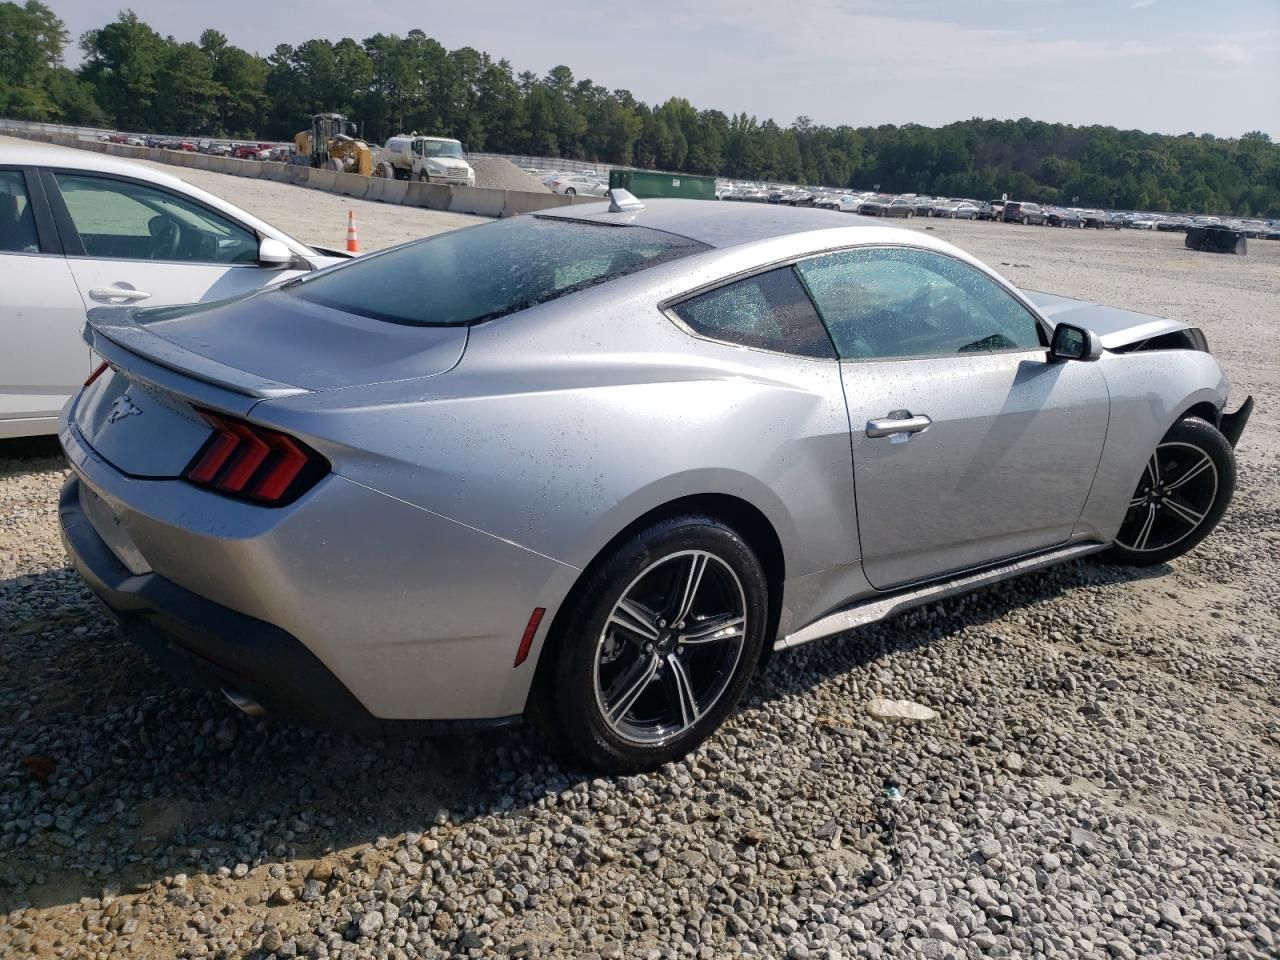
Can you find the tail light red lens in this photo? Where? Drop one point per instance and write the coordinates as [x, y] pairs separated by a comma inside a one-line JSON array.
[[253, 463], [98, 371]]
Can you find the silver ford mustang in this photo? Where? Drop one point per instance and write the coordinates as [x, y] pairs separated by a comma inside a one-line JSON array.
[[593, 465]]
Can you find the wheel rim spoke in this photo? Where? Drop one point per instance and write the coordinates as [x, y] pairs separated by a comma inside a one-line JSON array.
[[1140, 543], [631, 686], [635, 619], [714, 630], [1180, 509], [680, 691], [685, 589], [1153, 468], [1190, 474]]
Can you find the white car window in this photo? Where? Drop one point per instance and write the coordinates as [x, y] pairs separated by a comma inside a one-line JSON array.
[[123, 219], [17, 224]]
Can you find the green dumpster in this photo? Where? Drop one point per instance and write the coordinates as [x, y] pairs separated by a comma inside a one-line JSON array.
[[650, 183]]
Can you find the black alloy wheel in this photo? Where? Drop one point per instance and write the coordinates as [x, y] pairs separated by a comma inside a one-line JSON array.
[[1184, 490]]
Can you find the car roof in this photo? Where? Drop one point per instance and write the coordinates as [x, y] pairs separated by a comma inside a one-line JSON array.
[[715, 223], [48, 154]]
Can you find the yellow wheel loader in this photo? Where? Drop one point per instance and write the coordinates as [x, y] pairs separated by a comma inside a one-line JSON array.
[[333, 143]]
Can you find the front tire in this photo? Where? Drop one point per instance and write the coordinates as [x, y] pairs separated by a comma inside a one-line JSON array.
[[1184, 490], [658, 646], [570, 192]]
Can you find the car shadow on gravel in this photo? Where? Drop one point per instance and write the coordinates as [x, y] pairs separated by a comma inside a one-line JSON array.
[[113, 776], [29, 455]]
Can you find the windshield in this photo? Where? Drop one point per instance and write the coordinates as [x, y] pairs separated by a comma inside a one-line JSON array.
[[468, 276], [440, 148]]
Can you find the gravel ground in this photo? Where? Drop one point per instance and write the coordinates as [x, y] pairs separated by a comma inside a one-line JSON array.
[[1100, 779]]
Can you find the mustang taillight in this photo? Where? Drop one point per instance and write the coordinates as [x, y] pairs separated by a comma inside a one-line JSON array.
[[253, 463]]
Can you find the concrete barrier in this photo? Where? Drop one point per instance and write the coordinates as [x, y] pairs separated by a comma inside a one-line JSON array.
[[296, 174], [393, 191], [272, 170], [482, 201], [244, 168], [351, 185], [198, 160], [321, 179], [518, 201], [433, 196]]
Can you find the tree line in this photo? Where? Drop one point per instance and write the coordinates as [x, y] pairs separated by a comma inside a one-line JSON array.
[[134, 79]]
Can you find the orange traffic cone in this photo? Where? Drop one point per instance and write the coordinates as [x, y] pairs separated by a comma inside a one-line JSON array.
[[353, 244]]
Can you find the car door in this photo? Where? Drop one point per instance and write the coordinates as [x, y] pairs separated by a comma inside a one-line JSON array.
[[42, 358], [130, 242], [969, 445]]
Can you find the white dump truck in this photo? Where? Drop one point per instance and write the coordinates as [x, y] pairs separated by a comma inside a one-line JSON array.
[[434, 159]]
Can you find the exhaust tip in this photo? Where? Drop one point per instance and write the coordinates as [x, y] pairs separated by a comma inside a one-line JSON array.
[[246, 705]]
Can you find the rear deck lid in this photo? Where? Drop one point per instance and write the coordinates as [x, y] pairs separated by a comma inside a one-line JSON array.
[[275, 344]]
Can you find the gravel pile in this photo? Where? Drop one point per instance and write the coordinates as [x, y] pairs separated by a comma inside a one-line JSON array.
[[1096, 774], [501, 174]]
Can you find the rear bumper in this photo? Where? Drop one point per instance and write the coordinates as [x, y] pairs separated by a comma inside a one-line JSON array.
[[209, 646], [202, 643], [1232, 424]]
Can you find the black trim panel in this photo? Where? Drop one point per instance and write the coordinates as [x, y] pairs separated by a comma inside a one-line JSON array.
[[1232, 424]]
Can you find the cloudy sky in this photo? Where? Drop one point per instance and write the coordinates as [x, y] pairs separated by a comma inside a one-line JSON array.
[[1161, 65]]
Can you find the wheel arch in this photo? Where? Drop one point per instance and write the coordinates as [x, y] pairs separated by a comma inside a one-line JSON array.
[[1204, 410], [744, 517]]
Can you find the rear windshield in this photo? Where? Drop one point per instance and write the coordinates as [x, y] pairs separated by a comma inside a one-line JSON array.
[[468, 276]]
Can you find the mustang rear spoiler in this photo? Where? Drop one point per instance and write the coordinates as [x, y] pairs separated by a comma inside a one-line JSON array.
[[113, 334]]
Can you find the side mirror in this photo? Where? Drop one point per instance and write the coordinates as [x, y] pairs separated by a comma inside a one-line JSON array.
[[273, 253], [1074, 343]]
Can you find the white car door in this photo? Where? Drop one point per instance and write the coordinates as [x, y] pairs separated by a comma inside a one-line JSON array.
[[42, 358], [129, 242]]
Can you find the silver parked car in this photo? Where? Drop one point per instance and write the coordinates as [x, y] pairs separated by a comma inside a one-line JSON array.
[[617, 456], [80, 229]]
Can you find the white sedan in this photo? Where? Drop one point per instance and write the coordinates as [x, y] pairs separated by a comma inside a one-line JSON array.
[[845, 203], [80, 230], [579, 184]]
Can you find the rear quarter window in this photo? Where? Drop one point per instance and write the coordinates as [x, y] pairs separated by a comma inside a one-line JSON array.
[[480, 273], [770, 311]]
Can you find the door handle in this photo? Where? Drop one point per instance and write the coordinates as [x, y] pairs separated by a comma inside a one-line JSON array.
[[118, 293], [900, 421]]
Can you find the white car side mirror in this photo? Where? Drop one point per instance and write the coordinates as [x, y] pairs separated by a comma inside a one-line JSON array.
[[273, 253]]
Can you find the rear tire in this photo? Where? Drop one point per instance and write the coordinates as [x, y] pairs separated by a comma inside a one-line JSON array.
[[644, 670], [1184, 490], [570, 192]]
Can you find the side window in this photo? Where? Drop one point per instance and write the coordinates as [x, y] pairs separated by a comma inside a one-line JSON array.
[[17, 222], [887, 302], [122, 219], [770, 311]]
